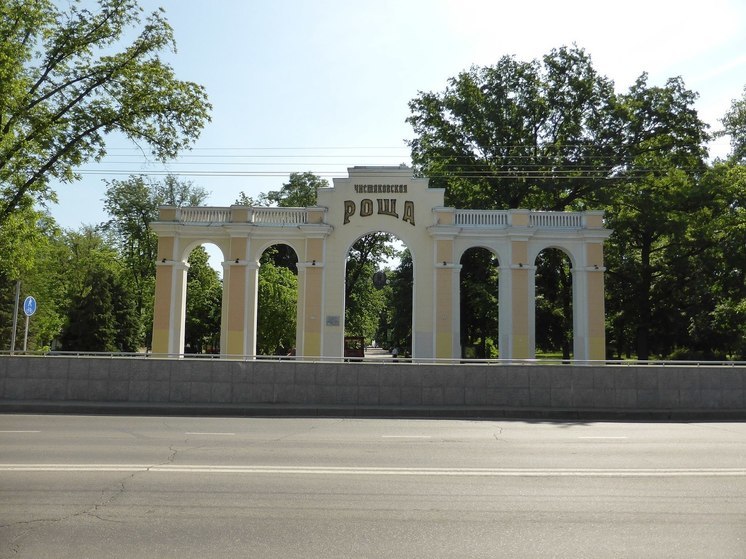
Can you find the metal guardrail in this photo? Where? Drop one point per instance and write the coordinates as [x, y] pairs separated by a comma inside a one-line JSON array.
[[373, 360]]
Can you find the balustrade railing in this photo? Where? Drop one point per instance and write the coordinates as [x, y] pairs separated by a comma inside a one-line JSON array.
[[481, 218], [203, 215], [463, 218], [555, 220], [278, 216], [502, 218], [262, 216]]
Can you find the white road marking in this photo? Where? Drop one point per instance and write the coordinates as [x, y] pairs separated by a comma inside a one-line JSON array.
[[406, 437], [20, 431], [379, 471], [611, 438], [211, 434]]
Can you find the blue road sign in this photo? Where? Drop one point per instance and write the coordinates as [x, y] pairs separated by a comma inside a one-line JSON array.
[[29, 305]]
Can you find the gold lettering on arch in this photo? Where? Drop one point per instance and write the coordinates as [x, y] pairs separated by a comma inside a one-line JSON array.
[[366, 207], [349, 211], [385, 206], [408, 212]]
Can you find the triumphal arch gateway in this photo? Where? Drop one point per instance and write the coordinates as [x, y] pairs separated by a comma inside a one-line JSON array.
[[369, 200]]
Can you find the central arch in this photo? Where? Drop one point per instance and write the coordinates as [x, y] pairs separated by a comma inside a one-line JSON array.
[[390, 200], [361, 292]]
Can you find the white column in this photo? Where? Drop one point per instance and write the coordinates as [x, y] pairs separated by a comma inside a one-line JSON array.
[[252, 304], [178, 307], [456, 311], [224, 308], [505, 316]]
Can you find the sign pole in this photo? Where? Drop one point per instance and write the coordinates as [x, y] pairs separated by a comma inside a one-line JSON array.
[[25, 335], [15, 318]]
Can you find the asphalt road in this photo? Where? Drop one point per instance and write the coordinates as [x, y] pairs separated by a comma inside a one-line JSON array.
[[99, 487]]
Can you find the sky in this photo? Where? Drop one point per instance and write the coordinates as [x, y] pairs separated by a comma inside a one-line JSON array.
[[322, 85]]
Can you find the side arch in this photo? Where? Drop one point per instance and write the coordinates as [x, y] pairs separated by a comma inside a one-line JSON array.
[[587, 269]]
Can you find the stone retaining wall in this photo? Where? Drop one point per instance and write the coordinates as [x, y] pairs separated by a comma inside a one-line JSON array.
[[222, 382]]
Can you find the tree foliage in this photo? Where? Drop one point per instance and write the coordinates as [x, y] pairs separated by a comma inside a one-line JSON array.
[[30, 245], [203, 305], [537, 134], [652, 204], [68, 79], [397, 319], [278, 300], [101, 314], [479, 304], [299, 192], [734, 125]]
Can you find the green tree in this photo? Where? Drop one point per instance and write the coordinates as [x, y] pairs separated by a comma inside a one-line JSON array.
[[652, 205], [278, 296], [479, 304], [203, 304], [64, 87], [18, 242], [364, 303], [101, 316], [538, 134], [716, 281], [29, 244], [133, 205], [47, 282], [734, 125], [399, 321], [553, 303], [298, 192]]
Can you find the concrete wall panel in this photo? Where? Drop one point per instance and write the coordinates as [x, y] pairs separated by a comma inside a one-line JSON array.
[[421, 386]]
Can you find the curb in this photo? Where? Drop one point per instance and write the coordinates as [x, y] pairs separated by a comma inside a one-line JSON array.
[[298, 410]]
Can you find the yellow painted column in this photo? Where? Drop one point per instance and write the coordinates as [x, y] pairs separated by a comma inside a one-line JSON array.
[[235, 293], [240, 287], [520, 331], [446, 298], [169, 305], [311, 297], [446, 301], [162, 309]]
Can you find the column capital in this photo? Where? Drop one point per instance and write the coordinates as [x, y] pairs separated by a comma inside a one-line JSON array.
[[447, 266], [309, 265], [518, 266], [251, 265], [176, 264]]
